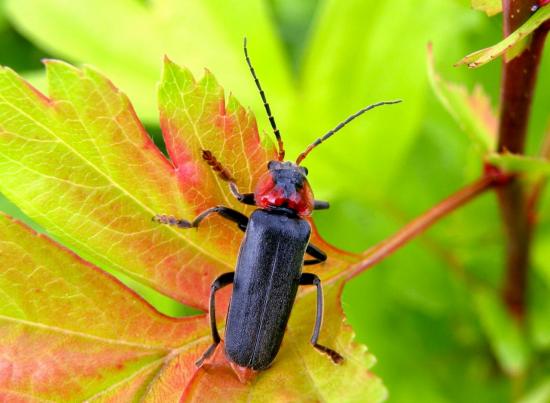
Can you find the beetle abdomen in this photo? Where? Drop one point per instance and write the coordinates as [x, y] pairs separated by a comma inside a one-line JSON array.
[[266, 281]]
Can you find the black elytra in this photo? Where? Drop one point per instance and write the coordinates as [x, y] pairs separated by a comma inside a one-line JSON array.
[[271, 257]]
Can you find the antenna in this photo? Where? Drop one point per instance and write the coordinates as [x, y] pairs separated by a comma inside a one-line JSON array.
[[342, 124], [281, 154]]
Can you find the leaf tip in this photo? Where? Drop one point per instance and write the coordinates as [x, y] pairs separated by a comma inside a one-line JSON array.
[[166, 60]]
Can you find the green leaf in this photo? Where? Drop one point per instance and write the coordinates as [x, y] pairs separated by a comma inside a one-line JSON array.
[[505, 337], [540, 394], [483, 56], [472, 112], [196, 34], [490, 7], [521, 163], [339, 79], [3, 20], [539, 304]]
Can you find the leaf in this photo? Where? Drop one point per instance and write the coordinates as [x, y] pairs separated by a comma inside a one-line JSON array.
[[520, 163], [185, 30], [70, 331], [86, 193], [483, 56], [80, 164], [336, 80], [3, 21], [505, 337], [490, 7], [473, 112], [540, 394]]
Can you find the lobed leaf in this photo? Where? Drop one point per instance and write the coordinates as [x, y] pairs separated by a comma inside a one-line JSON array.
[[484, 56], [80, 164], [472, 112]]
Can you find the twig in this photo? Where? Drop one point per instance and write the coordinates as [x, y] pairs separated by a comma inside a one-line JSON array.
[[421, 223]]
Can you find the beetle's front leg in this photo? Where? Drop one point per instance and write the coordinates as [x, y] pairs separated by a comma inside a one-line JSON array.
[[225, 175], [313, 279], [245, 198], [232, 215], [220, 282]]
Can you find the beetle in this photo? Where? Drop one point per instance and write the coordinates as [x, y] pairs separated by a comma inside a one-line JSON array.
[[269, 266]]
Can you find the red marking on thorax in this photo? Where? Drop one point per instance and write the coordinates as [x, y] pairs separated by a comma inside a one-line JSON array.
[[269, 194]]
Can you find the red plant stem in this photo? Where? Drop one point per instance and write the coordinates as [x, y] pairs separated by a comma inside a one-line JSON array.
[[422, 223], [518, 82]]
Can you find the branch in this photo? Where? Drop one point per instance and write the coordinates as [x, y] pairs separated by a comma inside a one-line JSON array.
[[518, 82], [423, 222]]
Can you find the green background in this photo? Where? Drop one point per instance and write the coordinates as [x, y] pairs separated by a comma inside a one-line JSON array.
[[430, 313]]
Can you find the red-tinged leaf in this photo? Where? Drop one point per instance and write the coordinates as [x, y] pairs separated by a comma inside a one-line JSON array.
[[69, 331], [472, 111], [194, 117], [80, 163]]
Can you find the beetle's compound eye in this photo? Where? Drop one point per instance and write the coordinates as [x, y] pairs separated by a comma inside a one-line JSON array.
[[305, 171], [271, 164]]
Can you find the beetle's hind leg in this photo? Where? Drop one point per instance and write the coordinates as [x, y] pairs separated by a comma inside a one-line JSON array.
[[313, 279], [219, 283]]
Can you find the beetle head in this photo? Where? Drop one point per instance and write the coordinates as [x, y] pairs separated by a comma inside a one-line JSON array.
[[285, 186]]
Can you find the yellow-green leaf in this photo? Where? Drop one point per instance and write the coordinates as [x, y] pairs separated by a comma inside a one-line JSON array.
[[490, 7], [483, 56]]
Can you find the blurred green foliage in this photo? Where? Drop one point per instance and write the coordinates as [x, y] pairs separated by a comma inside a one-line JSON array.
[[430, 313]]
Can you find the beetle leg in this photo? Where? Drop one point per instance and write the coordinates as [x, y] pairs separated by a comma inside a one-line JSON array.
[[224, 175], [313, 279], [318, 255], [232, 215], [220, 282], [320, 205], [245, 198]]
